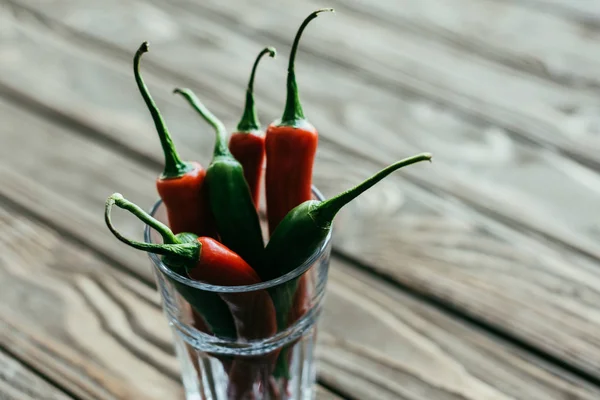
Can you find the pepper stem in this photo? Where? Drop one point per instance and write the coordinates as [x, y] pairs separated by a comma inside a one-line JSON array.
[[293, 108], [249, 121], [324, 212], [174, 167], [185, 253], [221, 148]]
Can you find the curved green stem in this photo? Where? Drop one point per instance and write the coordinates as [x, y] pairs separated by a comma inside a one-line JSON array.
[[174, 167], [186, 253], [221, 148], [324, 212], [293, 108], [249, 121]]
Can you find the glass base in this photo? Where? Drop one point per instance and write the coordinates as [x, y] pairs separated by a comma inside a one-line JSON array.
[[287, 374]]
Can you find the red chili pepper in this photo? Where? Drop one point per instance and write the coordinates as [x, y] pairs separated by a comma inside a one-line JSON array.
[[291, 145], [181, 185], [205, 259], [248, 144]]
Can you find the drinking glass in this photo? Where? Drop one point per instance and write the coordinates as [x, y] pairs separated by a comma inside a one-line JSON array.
[[217, 364]]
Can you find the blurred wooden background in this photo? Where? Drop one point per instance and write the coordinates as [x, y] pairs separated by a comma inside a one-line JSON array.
[[476, 277]]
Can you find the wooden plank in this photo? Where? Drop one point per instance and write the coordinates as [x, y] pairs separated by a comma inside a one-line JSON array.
[[499, 176], [585, 11], [19, 382], [419, 357], [467, 276], [502, 31], [60, 93], [578, 122], [100, 334]]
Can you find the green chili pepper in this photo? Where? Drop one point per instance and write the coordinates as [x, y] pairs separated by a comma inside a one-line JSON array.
[[299, 236], [230, 198], [306, 226], [302, 232]]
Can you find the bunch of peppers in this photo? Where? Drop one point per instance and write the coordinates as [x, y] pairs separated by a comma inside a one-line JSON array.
[[214, 233]]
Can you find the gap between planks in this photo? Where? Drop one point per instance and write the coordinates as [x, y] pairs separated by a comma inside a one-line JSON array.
[[20, 380]]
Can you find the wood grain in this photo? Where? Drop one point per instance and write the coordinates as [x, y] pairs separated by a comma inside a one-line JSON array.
[[518, 37], [17, 382], [550, 279], [65, 324], [504, 178], [429, 351], [68, 313], [77, 216], [585, 11]]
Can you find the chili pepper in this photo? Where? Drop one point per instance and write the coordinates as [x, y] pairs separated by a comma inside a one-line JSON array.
[[181, 185], [230, 199], [297, 238], [305, 227], [291, 145], [205, 259], [300, 235], [248, 144], [210, 306]]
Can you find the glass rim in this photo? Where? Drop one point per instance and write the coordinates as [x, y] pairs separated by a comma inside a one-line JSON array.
[[296, 272]]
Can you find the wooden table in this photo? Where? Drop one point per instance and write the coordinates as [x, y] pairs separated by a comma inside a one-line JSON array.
[[476, 277]]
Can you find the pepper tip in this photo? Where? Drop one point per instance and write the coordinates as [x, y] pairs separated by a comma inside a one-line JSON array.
[[115, 198], [320, 10], [144, 47]]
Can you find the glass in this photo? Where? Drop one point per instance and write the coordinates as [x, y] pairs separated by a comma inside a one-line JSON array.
[[277, 363]]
